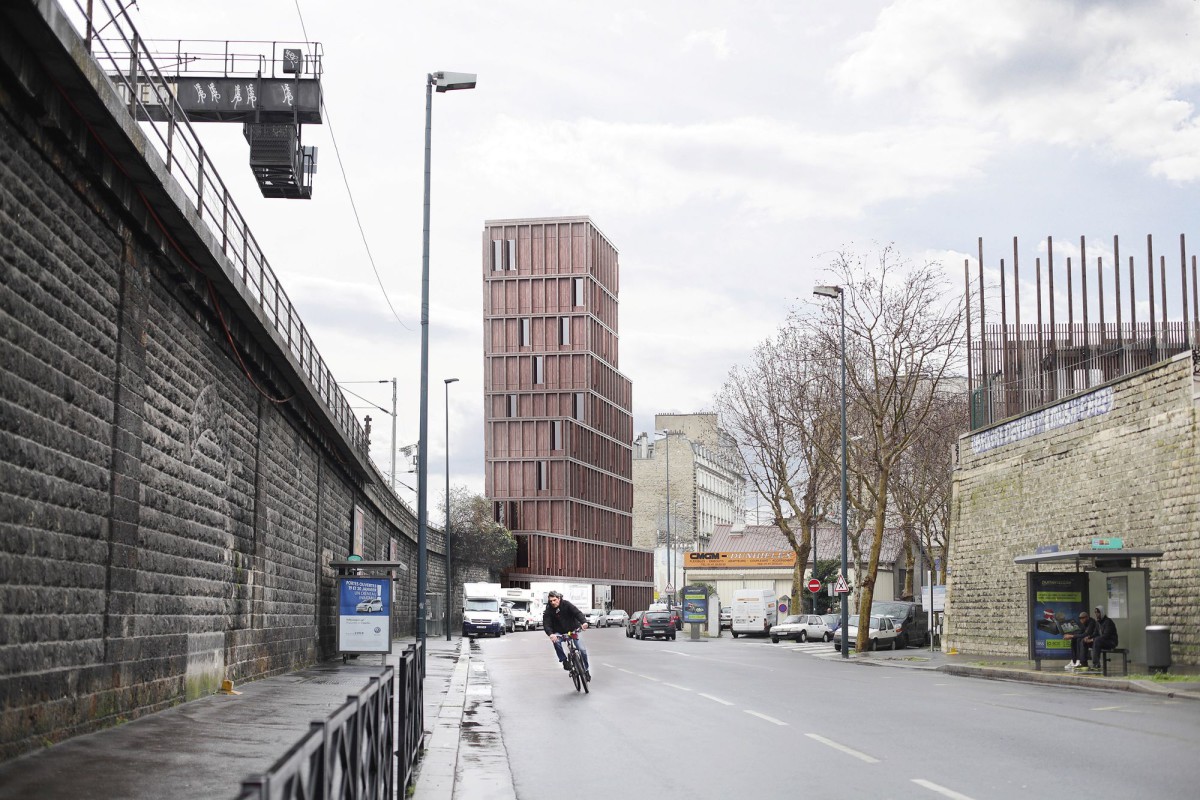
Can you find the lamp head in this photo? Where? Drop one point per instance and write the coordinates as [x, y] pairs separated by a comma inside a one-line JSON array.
[[451, 380], [827, 291], [449, 81]]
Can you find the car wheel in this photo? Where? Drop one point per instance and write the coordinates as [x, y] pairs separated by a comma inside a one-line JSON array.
[[734, 634], [775, 640], [902, 641], [672, 637], [829, 637], [803, 636], [874, 644], [893, 644]]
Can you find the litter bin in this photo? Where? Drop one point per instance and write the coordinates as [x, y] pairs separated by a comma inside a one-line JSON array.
[[1158, 648]]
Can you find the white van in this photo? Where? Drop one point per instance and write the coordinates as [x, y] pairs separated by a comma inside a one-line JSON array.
[[754, 611]]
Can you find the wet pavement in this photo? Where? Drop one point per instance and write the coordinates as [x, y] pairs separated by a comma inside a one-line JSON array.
[[205, 748]]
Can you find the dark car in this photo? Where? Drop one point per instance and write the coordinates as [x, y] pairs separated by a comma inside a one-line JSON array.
[[912, 626], [633, 621], [652, 623]]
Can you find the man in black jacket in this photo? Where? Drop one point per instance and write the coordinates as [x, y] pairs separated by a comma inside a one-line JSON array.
[[561, 616], [1081, 640], [1105, 638]]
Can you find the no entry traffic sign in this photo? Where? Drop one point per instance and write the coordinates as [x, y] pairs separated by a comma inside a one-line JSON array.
[[814, 585]]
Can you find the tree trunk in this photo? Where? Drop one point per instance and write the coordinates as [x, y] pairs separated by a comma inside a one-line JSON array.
[[867, 595]]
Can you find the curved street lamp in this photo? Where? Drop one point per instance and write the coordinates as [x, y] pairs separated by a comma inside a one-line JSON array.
[[444, 82], [839, 293]]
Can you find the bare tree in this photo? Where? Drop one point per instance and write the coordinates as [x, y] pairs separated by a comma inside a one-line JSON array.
[[773, 409], [921, 484], [902, 337]]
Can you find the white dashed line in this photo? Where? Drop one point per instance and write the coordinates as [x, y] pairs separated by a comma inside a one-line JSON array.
[[764, 716], [942, 790], [677, 686], [716, 699], [847, 750], [648, 677]]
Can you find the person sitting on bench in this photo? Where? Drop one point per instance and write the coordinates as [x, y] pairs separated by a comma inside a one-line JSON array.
[[1105, 638], [1081, 640]]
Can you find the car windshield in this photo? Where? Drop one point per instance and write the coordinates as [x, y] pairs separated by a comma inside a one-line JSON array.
[[852, 622], [897, 610], [792, 620], [617, 613], [657, 616]]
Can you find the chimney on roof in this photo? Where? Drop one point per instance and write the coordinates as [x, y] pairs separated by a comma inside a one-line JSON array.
[[738, 529]]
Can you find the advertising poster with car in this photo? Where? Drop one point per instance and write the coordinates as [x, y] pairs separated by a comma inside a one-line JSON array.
[[695, 604], [1055, 602], [364, 615]]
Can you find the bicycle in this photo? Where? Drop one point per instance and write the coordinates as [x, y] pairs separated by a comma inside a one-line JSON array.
[[579, 673]]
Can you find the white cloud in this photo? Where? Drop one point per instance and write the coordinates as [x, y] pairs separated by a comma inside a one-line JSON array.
[[717, 39], [764, 166], [1118, 77]]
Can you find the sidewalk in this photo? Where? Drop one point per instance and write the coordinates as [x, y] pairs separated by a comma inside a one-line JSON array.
[[1000, 668], [202, 750]]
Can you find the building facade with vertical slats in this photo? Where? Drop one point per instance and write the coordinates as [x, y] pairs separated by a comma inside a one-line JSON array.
[[557, 411]]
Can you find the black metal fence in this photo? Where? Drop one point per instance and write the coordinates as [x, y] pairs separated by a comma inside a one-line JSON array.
[[353, 755], [1023, 368]]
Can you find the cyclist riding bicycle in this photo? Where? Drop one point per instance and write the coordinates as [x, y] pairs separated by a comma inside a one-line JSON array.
[[562, 617]]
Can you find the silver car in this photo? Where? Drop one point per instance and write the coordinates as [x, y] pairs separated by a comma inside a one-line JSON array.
[[616, 617]]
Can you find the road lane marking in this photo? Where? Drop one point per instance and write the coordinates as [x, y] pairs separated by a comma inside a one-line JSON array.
[[764, 716], [677, 653], [676, 686], [648, 677], [716, 699], [847, 750], [1108, 708], [942, 790]]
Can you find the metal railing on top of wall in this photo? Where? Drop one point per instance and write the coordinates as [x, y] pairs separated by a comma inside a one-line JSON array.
[[123, 55]]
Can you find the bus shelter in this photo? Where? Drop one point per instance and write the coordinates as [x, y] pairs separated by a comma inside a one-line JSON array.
[[1116, 580]]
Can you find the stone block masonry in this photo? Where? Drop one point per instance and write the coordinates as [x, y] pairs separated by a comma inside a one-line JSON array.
[[164, 522], [1122, 463]]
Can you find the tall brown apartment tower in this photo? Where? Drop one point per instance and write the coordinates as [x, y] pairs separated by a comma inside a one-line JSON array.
[[557, 420]]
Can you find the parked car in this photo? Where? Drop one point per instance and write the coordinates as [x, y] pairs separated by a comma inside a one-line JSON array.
[[510, 620], [654, 623], [616, 617], [834, 621], [633, 623], [594, 615], [726, 617], [912, 627], [880, 631], [677, 618], [801, 627]]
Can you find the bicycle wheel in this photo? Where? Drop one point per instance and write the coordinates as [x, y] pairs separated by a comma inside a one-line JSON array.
[[581, 671], [576, 669]]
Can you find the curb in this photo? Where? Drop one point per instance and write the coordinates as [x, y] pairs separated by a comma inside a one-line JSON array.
[[1070, 681], [438, 766]]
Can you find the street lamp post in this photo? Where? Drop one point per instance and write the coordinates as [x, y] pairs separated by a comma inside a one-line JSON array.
[[667, 442], [839, 293], [443, 82], [449, 572]]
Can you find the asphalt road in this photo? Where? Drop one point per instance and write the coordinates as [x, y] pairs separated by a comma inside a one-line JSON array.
[[747, 719]]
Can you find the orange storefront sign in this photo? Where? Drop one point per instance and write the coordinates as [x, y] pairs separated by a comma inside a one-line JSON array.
[[779, 558]]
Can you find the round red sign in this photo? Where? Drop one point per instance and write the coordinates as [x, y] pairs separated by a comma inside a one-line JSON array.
[[814, 585]]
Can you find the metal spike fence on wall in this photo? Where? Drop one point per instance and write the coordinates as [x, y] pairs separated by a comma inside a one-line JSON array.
[[1013, 368]]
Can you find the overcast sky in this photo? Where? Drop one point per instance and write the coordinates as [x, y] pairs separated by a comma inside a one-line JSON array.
[[726, 149]]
